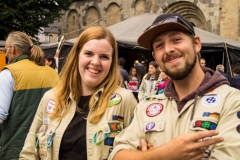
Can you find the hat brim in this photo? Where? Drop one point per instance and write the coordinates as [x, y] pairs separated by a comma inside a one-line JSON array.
[[145, 40]]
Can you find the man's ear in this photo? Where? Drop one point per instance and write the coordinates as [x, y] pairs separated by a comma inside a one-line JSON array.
[[153, 54], [197, 44]]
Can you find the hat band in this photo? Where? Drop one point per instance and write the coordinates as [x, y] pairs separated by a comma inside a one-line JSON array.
[[175, 19]]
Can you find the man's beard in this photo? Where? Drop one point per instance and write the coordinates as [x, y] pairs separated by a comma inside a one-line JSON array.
[[180, 74]]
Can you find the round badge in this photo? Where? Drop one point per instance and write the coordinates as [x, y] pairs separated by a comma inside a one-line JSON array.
[[210, 100], [150, 126], [154, 109], [238, 114], [115, 99], [238, 128]]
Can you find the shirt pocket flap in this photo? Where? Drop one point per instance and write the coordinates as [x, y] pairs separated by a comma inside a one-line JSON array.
[[154, 126], [202, 124]]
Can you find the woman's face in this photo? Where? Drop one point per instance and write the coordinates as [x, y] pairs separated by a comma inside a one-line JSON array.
[[134, 71], [47, 62], [95, 60], [152, 69], [163, 75]]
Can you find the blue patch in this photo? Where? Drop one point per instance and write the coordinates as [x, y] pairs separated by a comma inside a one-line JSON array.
[[115, 117], [206, 114], [238, 114], [109, 141]]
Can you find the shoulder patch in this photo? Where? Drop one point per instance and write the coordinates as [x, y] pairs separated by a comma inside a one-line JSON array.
[[50, 106], [115, 99]]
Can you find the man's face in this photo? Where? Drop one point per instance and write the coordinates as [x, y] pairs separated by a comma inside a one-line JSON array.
[[202, 62], [176, 53]]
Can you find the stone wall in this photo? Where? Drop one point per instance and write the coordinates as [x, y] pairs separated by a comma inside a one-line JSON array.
[[217, 16]]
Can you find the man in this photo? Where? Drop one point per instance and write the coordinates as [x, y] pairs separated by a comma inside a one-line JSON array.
[[22, 84], [124, 73], [195, 100], [220, 68], [235, 80], [202, 62]]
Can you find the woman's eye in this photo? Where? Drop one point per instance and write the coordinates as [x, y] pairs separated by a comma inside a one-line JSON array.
[[104, 57], [88, 53]]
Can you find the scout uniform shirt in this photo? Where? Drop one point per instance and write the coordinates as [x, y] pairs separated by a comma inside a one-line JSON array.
[[157, 120], [46, 134]]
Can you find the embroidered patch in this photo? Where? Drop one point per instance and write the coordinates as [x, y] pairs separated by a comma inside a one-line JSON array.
[[115, 99], [209, 114], [238, 128], [210, 100], [115, 127], [118, 118], [205, 124], [50, 106], [46, 120], [154, 109], [109, 141], [238, 114], [150, 126]]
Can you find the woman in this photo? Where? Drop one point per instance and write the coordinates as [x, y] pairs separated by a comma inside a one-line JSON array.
[[50, 61], [80, 117], [149, 81], [134, 82], [163, 82]]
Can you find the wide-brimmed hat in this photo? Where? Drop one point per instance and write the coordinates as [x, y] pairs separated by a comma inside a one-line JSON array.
[[163, 23]]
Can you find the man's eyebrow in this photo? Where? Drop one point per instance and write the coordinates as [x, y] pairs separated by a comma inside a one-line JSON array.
[[170, 35]]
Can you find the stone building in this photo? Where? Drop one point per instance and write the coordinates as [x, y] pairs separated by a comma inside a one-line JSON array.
[[218, 16]]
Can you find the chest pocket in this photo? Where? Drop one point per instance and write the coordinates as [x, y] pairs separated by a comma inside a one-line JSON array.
[[44, 138], [204, 123]]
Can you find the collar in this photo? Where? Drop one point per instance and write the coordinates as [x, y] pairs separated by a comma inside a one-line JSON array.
[[23, 56]]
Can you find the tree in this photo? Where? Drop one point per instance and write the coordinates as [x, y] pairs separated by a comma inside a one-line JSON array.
[[29, 15]]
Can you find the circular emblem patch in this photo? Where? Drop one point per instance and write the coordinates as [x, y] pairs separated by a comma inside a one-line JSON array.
[[115, 99], [150, 126], [238, 114], [211, 100], [154, 109], [238, 128]]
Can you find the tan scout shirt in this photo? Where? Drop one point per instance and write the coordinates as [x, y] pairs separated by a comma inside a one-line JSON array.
[[158, 121], [147, 88], [50, 131]]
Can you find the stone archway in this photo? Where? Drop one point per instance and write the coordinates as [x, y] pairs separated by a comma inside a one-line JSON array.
[[72, 27], [140, 7], [189, 11], [113, 15], [92, 17]]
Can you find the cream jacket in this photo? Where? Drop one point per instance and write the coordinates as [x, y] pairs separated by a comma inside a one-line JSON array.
[[49, 132], [157, 120], [147, 88]]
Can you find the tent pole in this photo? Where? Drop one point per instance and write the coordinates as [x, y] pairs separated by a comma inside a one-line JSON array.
[[225, 46]]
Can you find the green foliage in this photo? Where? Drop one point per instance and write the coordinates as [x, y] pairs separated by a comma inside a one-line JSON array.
[[29, 15]]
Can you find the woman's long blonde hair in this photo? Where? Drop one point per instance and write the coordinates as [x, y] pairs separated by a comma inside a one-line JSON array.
[[70, 83]]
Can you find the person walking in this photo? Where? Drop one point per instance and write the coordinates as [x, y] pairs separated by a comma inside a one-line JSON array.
[[81, 116], [195, 101], [22, 84]]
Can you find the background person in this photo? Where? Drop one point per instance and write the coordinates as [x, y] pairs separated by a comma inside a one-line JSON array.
[[235, 80], [149, 82], [22, 84], [80, 117], [163, 82], [220, 68], [50, 61], [134, 81], [195, 100], [203, 62], [124, 73]]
